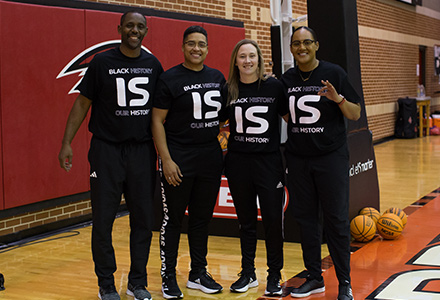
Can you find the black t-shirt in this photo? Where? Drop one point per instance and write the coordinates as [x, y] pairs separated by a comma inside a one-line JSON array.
[[316, 124], [121, 89], [193, 101], [254, 117]]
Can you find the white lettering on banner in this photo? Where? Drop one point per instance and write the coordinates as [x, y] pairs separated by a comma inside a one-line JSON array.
[[225, 198], [361, 167]]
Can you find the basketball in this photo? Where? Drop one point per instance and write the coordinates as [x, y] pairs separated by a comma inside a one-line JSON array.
[[373, 213], [223, 139], [362, 228], [397, 211], [389, 226]]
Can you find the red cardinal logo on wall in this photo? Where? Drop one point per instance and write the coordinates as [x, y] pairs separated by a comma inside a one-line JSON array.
[[80, 63]]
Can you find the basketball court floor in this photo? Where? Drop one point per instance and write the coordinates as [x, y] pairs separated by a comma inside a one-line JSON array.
[[59, 266]]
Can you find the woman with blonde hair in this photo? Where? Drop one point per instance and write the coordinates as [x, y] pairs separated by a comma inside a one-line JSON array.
[[253, 164]]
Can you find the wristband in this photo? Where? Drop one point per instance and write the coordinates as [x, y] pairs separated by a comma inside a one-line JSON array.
[[342, 101]]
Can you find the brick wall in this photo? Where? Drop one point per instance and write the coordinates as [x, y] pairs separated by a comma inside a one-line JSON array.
[[390, 33], [42, 217]]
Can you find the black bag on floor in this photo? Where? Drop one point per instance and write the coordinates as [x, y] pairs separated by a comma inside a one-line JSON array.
[[406, 118]]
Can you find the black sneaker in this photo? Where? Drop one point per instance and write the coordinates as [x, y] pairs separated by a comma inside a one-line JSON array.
[[139, 292], [245, 282], [273, 286], [108, 293], [170, 288], [204, 282], [311, 286], [345, 292]]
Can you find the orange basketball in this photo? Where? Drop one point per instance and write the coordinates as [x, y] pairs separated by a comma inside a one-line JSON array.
[[397, 211], [362, 228], [223, 137], [389, 226], [371, 212]]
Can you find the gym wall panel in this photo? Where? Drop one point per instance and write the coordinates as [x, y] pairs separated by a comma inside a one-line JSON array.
[[164, 39], [35, 105], [35, 98], [221, 40]]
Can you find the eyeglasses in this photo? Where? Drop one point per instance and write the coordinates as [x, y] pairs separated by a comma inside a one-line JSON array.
[[306, 43], [193, 44]]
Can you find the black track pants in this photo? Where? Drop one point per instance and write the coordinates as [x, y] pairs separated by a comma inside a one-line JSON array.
[[262, 175], [116, 169], [198, 192], [319, 185]]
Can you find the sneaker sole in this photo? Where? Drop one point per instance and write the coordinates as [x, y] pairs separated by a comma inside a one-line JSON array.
[[315, 291], [246, 287], [130, 293], [166, 296], [99, 296], [266, 293], [196, 286]]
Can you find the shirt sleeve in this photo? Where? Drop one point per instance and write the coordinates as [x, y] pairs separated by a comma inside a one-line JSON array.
[[163, 97]]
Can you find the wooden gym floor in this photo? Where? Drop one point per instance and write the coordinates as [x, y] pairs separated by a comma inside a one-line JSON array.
[[60, 266]]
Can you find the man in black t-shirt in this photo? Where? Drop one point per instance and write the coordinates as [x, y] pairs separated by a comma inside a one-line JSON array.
[[185, 126], [119, 85]]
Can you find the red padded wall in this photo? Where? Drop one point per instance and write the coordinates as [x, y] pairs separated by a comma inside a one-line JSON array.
[[164, 39], [222, 40], [34, 104]]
